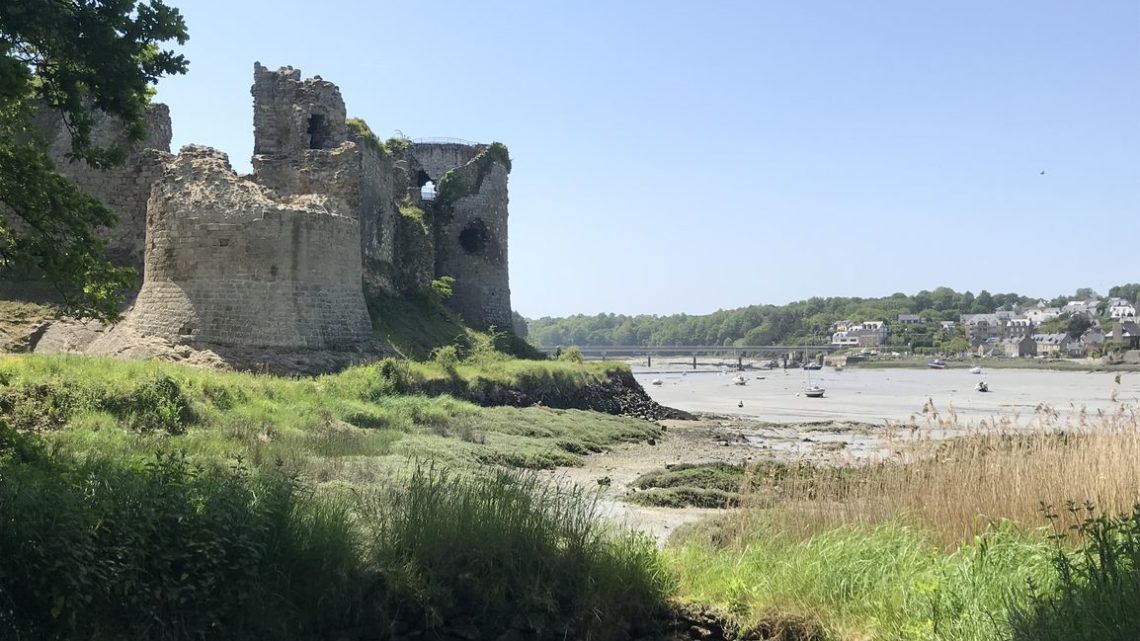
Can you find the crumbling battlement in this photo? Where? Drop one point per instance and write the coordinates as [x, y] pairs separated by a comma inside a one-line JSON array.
[[228, 264]]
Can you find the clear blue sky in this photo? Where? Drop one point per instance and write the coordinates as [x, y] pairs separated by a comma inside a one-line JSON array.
[[688, 156]]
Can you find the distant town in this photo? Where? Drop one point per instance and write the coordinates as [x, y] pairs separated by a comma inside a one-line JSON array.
[[942, 322], [1021, 332]]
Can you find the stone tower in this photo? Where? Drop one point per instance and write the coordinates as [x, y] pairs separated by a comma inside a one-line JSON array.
[[469, 212], [228, 263]]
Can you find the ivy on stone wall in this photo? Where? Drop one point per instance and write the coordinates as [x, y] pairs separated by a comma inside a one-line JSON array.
[[452, 186]]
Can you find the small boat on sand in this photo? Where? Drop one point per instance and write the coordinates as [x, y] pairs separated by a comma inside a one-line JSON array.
[[657, 381], [739, 380], [813, 365], [975, 370], [937, 363], [812, 390], [982, 387]]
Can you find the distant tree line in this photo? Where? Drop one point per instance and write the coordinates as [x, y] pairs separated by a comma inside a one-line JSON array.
[[802, 322]]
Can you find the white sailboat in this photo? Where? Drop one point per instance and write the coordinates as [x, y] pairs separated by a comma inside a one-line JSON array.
[[812, 390]]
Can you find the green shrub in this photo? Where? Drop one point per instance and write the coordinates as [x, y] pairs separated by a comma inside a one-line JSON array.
[[362, 132], [153, 404], [1097, 596], [571, 355], [446, 357], [443, 287], [397, 145]]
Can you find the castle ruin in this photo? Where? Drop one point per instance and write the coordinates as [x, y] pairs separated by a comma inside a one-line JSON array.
[[289, 257]]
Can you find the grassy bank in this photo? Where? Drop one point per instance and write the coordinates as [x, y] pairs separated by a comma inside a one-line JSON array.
[[348, 427], [317, 508]]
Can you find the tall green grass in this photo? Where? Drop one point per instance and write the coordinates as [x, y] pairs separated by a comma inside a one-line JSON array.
[[888, 582], [504, 551], [97, 550], [102, 550]]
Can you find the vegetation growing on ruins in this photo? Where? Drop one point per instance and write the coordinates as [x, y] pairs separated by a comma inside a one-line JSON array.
[[452, 185], [359, 129], [362, 132], [74, 60]]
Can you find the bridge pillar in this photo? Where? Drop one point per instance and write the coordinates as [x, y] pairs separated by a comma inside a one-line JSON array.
[[694, 360], [740, 361], [649, 360]]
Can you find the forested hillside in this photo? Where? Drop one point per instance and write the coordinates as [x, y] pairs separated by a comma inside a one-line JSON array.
[[801, 322]]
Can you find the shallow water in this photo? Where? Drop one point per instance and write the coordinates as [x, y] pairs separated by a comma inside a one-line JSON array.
[[877, 396]]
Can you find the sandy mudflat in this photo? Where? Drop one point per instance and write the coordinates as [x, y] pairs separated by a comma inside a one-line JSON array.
[[876, 396], [867, 414]]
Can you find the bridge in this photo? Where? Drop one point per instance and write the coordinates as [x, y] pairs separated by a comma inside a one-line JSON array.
[[796, 352]]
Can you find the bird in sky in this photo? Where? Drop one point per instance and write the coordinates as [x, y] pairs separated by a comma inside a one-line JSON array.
[[1042, 172]]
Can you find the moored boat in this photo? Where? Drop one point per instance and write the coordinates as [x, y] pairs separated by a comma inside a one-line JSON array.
[[937, 363], [813, 365], [739, 380], [975, 370], [814, 391], [657, 381]]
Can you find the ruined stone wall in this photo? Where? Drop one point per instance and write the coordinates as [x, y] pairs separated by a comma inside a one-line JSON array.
[[123, 189], [227, 264], [295, 154], [430, 161], [382, 184], [290, 114], [471, 243]]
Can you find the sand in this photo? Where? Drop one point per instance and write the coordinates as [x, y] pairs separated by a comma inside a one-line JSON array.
[[878, 396]]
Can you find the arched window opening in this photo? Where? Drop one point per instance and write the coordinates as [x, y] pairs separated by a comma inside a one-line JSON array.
[[427, 191]]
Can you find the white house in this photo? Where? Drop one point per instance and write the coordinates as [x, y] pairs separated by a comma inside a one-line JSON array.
[[841, 338], [1121, 309], [1081, 307], [1040, 315]]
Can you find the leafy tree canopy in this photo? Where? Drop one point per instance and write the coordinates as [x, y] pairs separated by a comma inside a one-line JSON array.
[[802, 322], [74, 58]]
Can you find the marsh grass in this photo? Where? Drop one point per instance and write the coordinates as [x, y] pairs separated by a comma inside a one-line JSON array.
[[969, 540], [325, 428], [993, 474]]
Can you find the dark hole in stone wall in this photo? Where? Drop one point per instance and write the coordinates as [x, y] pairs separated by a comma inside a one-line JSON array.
[[475, 237], [319, 133]]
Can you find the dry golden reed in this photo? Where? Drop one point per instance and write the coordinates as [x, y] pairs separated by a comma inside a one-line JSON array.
[[1005, 469]]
